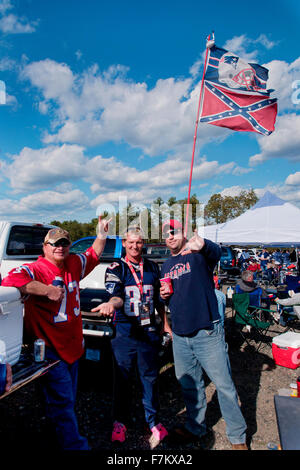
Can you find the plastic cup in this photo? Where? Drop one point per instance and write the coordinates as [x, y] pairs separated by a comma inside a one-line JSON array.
[[168, 281]]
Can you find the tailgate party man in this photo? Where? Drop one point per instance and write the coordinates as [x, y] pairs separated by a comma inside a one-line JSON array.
[[133, 284], [198, 336], [52, 313]]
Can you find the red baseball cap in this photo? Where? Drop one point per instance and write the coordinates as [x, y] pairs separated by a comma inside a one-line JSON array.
[[172, 223]]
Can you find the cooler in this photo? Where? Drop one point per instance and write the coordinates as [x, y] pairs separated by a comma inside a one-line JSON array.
[[286, 350], [11, 322]]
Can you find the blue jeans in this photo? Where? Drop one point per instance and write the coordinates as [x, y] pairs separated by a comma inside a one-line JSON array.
[[135, 345], [206, 350], [58, 388]]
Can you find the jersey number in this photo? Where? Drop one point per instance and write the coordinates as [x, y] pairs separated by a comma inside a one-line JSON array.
[[62, 316], [132, 299]]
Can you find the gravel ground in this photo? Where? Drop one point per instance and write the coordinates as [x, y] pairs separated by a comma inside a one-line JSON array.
[[255, 374]]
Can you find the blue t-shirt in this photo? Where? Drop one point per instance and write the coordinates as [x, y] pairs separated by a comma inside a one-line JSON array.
[[193, 305]]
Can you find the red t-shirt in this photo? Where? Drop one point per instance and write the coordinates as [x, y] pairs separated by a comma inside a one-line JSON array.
[[253, 267], [59, 324]]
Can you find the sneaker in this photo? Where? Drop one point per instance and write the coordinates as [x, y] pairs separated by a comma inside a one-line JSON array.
[[119, 432], [159, 432]]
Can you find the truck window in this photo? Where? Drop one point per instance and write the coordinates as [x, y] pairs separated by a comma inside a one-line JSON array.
[[82, 245], [26, 240]]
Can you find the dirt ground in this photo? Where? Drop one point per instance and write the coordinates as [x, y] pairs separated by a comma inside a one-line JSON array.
[[255, 374]]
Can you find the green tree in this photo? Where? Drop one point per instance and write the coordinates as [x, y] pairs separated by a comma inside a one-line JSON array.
[[219, 208]]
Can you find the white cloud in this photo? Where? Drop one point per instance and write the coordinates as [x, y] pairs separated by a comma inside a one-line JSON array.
[[281, 78], [5, 5], [263, 40], [61, 167], [78, 54], [283, 143], [54, 79], [94, 107], [37, 169], [238, 170], [281, 190], [52, 204], [14, 24], [240, 45], [232, 191], [293, 179], [7, 63]]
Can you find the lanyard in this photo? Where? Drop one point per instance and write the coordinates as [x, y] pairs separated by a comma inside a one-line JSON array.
[[139, 283]]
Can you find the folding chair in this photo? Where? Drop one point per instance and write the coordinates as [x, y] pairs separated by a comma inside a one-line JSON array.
[[247, 315]]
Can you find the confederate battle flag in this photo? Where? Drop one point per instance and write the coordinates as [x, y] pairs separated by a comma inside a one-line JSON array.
[[235, 95]]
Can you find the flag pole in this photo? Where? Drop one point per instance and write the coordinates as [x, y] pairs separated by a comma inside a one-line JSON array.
[[195, 138]]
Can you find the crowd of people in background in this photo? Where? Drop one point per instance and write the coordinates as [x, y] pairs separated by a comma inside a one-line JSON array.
[[268, 264]]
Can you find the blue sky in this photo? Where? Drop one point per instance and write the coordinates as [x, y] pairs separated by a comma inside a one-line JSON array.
[[101, 102]]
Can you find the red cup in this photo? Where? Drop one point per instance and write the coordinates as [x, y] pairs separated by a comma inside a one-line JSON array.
[[168, 281]]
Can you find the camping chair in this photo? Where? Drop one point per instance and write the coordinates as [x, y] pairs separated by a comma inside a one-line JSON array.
[[248, 315], [255, 298]]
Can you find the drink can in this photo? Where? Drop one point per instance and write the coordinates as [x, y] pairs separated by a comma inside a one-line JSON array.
[[58, 281], [3, 369], [168, 281], [39, 350]]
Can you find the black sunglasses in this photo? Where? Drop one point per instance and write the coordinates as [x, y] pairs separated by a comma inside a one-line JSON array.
[[172, 231], [64, 243]]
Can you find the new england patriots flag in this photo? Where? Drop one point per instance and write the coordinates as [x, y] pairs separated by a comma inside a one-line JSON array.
[[235, 94]]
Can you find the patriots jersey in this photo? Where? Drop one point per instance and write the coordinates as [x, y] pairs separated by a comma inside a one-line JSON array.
[[59, 324], [119, 282]]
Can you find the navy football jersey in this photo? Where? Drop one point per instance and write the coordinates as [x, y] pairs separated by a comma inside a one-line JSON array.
[[119, 282]]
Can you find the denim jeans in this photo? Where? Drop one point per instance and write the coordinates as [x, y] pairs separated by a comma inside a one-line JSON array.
[[58, 387], [206, 350], [140, 346]]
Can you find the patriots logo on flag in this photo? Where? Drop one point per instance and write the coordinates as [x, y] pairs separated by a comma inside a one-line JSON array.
[[235, 94], [232, 60]]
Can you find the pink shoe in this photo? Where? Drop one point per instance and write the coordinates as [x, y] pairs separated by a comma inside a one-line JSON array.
[[119, 432], [159, 432]]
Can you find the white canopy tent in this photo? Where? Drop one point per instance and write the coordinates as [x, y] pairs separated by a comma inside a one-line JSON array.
[[271, 221]]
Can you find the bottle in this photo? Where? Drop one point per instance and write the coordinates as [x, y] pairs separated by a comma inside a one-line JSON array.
[[3, 369]]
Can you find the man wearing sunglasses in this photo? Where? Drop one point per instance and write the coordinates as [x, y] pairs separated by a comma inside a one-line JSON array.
[[198, 336], [52, 313]]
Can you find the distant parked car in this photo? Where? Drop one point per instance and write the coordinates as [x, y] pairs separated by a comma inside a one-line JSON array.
[[228, 260]]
